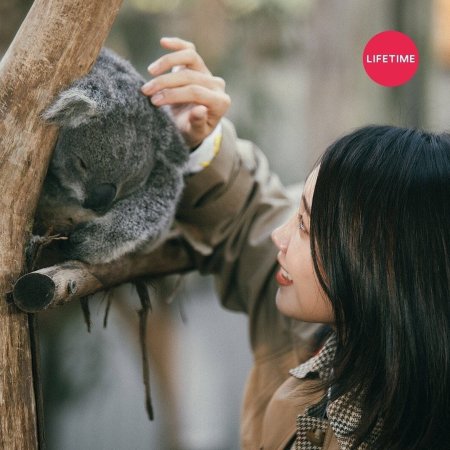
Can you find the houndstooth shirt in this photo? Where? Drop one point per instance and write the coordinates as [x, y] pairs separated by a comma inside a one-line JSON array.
[[342, 414]]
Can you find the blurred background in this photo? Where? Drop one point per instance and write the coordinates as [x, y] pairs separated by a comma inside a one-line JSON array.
[[294, 72]]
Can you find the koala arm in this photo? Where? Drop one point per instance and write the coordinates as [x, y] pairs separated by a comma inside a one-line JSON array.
[[141, 218]]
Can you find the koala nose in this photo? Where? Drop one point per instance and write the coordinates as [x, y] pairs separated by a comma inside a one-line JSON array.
[[100, 197]]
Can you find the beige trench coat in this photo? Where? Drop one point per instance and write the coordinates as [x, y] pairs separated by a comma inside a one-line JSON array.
[[227, 214]]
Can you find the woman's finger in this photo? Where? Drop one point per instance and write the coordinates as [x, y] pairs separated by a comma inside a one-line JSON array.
[[175, 43], [199, 125], [187, 57], [198, 114], [216, 102], [197, 122], [183, 78]]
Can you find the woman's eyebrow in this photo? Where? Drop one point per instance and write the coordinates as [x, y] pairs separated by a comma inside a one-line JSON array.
[[305, 204]]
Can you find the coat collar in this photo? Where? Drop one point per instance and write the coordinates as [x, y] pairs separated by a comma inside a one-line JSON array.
[[321, 364], [343, 413]]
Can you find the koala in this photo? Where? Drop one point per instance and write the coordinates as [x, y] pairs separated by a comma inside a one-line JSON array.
[[117, 170]]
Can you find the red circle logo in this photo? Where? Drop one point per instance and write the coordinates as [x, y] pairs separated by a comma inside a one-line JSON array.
[[391, 58]]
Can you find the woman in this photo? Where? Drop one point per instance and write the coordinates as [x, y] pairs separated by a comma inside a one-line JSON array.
[[366, 252]]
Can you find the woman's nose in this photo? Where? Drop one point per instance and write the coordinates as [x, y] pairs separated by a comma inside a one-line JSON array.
[[281, 236]]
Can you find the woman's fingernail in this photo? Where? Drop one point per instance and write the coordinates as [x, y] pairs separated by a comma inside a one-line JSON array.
[[157, 98], [152, 67], [147, 87]]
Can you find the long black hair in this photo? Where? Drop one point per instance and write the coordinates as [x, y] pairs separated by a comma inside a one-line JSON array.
[[380, 240]]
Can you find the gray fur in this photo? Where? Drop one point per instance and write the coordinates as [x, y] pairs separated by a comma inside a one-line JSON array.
[[117, 169]]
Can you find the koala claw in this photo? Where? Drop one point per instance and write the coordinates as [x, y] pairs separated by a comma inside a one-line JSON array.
[[35, 245]]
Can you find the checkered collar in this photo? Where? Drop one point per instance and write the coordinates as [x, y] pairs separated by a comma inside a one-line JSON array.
[[344, 413], [320, 364]]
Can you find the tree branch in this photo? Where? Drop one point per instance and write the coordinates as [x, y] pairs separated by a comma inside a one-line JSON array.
[[61, 283]]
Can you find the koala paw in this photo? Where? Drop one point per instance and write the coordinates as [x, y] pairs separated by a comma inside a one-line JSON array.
[[90, 243]]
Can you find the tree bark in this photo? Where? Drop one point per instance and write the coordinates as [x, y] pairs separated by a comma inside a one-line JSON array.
[[58, 42], [61, 283]]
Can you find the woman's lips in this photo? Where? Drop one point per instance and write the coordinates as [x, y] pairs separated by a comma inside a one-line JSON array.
[[283, 278]]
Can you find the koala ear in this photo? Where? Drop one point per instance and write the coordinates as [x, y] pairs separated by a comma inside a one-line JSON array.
[[72, 108]]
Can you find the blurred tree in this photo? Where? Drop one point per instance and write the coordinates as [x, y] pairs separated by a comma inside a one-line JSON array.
[[340, 95], [407, 103], [339, 90], [441, 31], [12, 13]]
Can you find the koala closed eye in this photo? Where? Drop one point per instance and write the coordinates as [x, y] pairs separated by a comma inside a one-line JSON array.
[[82, 164]]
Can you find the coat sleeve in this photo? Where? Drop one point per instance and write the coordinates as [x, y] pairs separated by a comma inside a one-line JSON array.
[[227, 214]]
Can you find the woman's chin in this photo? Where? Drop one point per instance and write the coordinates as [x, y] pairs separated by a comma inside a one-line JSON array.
[[285, 303]]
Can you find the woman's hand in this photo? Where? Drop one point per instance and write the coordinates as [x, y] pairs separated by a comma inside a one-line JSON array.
[[196, 98]]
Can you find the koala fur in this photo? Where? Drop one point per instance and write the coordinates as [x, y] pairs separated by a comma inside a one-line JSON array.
[[117, 169]]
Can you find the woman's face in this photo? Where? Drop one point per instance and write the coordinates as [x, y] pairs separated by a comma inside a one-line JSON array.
[[300, 295]]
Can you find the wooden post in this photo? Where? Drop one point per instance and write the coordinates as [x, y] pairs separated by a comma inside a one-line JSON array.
[[58, 42]]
